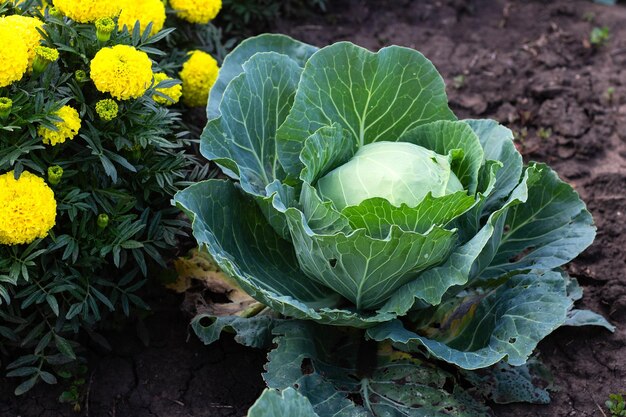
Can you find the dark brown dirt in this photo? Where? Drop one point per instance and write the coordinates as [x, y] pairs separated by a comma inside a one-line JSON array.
[[527, 64], [173, 376]]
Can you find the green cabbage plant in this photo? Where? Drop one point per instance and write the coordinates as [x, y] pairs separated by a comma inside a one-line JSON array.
[[357, 199]]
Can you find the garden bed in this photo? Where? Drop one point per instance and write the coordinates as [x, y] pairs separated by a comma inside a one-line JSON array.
[[527, 64]]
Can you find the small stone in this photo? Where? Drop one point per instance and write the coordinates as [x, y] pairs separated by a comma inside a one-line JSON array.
[[565, 152], [473, 102]]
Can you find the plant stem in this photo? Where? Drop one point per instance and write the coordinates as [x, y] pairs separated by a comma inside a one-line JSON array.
[[366, 358]]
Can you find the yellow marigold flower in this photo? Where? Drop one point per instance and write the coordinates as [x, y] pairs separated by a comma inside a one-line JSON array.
[[144, 12], [122, 71], [13, 56], [87, 11], [174, 92], [196, 11], [198, 76], [28, 208], [107, 109], [26, 28], [67, 129]]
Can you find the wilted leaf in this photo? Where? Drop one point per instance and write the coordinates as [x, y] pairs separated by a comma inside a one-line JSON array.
[[198, 275]]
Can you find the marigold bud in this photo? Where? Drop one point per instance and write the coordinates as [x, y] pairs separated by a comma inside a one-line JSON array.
[[54, 174], [55, 12], [104, 27], [135, 152], [44, 56], [81, 76], [6, 104], [103, 221]]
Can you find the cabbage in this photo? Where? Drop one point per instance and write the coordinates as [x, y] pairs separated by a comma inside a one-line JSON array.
[[357, 198]]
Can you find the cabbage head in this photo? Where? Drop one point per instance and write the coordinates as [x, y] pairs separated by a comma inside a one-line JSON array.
[[399, 172], [356, 198]]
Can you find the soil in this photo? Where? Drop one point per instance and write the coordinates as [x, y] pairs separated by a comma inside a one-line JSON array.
[[156, 369], [528, 64]]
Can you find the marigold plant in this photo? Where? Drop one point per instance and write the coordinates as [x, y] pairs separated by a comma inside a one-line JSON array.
[[90, 157], [91, 126]]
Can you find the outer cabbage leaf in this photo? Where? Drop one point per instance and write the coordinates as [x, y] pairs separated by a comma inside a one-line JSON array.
[[506, 323], [505, 384], [285, 196], [373, 96], [499, 175], [578, 318], [472, 221], [288, 403], [322, 218], [497, 143], [249, 331], [233, 63], [551, 229], [341, 381], [254, 104]]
